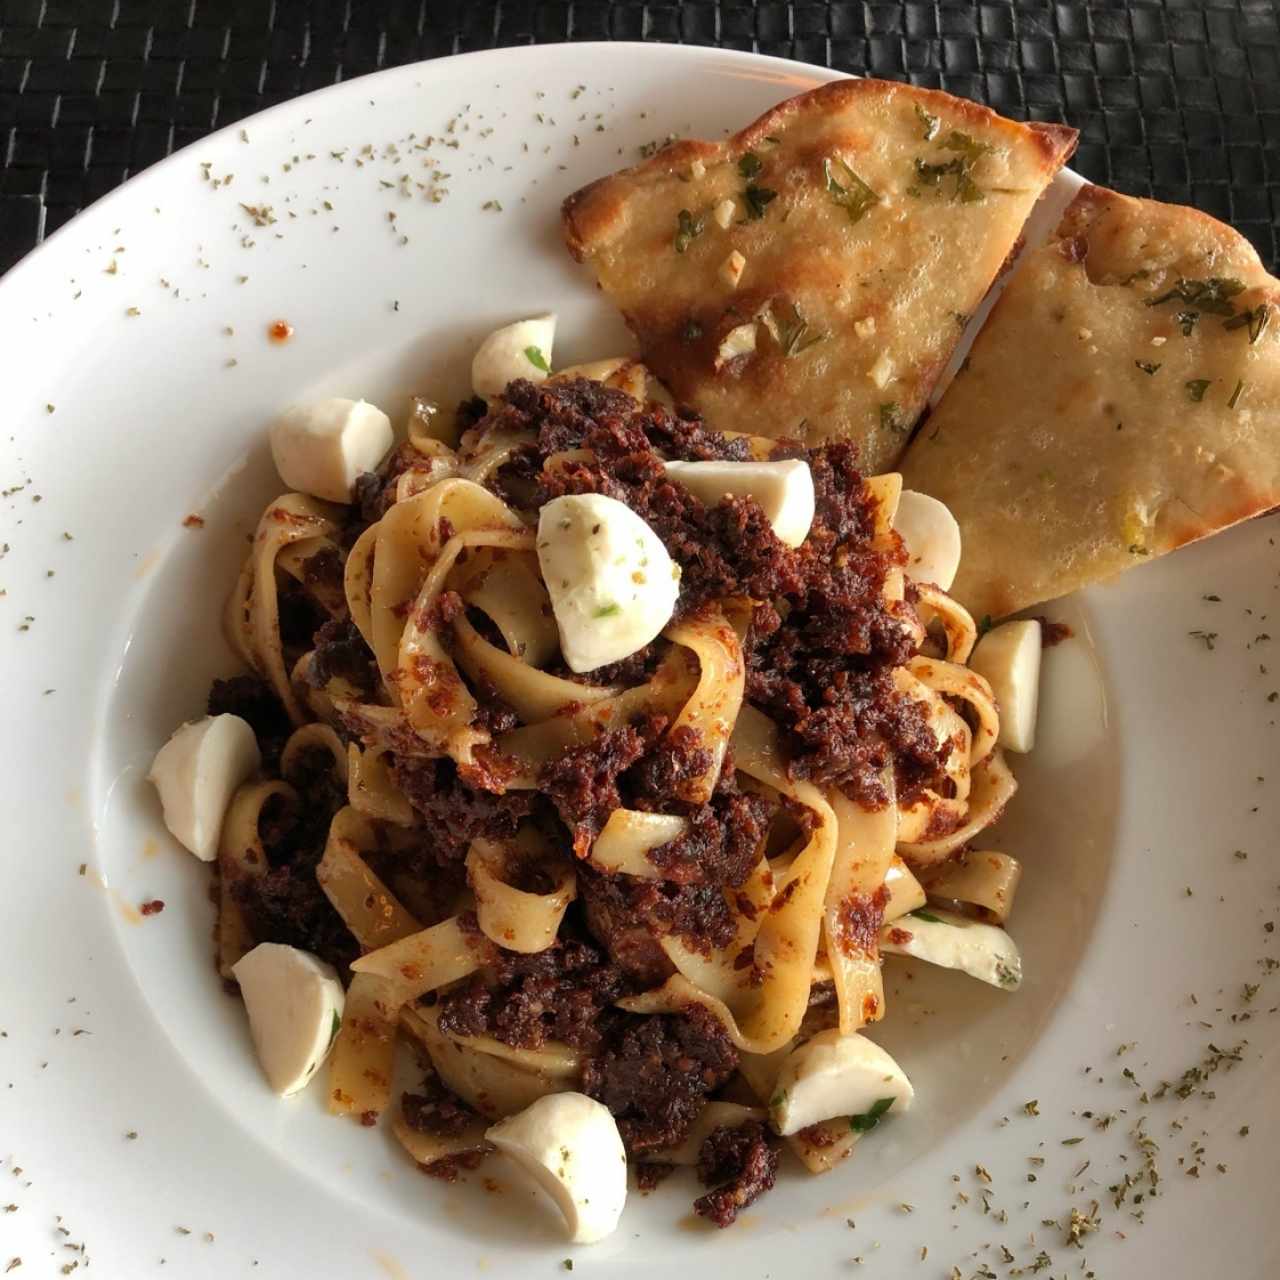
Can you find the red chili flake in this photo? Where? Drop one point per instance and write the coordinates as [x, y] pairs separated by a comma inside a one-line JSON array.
[[152, 908], [280, 331], [368, 1119], [193, 521]]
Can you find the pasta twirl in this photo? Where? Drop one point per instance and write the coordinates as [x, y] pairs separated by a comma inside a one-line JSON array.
[[550, 881]]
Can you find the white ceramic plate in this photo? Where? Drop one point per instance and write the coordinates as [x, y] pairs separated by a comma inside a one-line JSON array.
[[1138, 921]]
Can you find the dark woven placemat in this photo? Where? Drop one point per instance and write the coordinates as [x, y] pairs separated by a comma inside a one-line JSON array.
[[1179, 99]]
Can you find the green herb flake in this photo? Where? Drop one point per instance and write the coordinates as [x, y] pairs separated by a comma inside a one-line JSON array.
[[1071, 1142], [1236, 394], [335, 1027], [535, 357], [891, 418], [1256, 320], [925, 915], [1207, 638], [749, 165], [1032, 1108], [1186, 321], [1212, 295], [1148, 368], [792, 333], [869, 1119], [757, 200], [969, 151], [929, 123], [1196, 389], [607, 610], [853, 195], [691, 331], [687, 229], [970, 148], [984, 625]]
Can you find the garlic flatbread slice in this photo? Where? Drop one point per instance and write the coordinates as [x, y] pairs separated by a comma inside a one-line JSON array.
[[811, 275], [1122, 399]]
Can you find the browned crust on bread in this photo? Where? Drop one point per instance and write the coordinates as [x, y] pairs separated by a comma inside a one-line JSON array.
[[589, 211]]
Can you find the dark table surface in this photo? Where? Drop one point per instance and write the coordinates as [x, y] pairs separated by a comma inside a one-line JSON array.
[[1179, 99]]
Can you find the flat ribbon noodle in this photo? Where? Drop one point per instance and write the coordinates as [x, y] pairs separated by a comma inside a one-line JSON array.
[[436, 460], [532, 694], [357, 581], [623, 373], [363, 1058], [787, 940], [418, 542], [426, 1148], [959, 682], [372, 791], [903, 892], [293, 560], [507, 587], [726, 972], [983, 879], [524, 751], [424, 961], [309, 738], [253, 609], [242, 857], [993, 787], [426, 429], [713, 706], [510, 917], [496, 449], [931, 813], [854, 906], [494, 1085], [894, 595], [885, 490], [373, 914], [714, 1115], [628, 835], [957, 622]]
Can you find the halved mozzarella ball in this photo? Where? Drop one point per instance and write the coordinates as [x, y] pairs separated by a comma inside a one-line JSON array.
[[932, 538], [1008, 658], [613, 587], [197, 772], [294, 1001], [519, 350], [570, 1145], [956, 942], [833, 1075], [783, 489], [321, 448]]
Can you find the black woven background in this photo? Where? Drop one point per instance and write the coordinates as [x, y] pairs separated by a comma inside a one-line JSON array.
[[1174, 98]]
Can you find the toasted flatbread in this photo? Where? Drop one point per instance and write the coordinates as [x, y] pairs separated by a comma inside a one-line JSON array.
[[870, 218], [1122, 399]]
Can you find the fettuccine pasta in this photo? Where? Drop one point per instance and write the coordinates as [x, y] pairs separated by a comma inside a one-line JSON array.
[[549, 876]]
